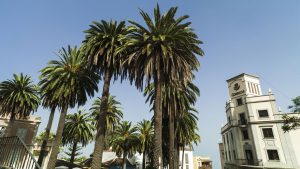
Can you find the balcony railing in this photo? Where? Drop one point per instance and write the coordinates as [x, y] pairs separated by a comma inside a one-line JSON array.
[[15, 154]]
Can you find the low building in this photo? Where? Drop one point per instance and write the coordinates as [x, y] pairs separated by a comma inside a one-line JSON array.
[[202, 162], [253, 137], [25, 128]]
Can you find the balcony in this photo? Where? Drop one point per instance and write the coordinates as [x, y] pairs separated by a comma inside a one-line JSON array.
[[253, 162], [242, 122]]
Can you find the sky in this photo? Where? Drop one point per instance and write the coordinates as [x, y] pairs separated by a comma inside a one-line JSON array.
[[240, 36]]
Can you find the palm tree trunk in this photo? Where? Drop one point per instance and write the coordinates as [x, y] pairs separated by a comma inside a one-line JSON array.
[[45, 140], [158, 123], [144, 158], [182, 156], [9, 129], [101, 128], [176, 156], [73, 153], [171, 141], [58, 137], [124, 160]]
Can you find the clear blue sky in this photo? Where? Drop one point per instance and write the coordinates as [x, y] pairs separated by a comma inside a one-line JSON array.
[[257, 37]]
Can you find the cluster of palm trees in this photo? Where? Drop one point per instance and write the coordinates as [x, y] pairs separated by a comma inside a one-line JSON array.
[[159, 58]]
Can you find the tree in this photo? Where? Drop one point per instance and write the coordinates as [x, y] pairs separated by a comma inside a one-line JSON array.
[[113, 117], [145, 133], [100, 44], [292, 122], [78, 129], [69, 82], [186, 130], [177, 99], [18, 98], [125, 140], [163, 51], [41, 137]]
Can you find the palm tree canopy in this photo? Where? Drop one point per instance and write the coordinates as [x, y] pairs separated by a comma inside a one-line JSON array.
[[68, 81], [186, 128], [19, 96], [166, 48], [78, 128], [101, 42], [114, 112], [178, 95], [125, 139], [146, 132]]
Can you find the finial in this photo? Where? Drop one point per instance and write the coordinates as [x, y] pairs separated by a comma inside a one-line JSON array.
[[279, 109], [270, 91]]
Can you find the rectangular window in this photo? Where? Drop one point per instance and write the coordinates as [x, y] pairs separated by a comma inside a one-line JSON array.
[[268, 133], [187, 158], [245, 134], [239, 102], [273, 154], [263, 113]]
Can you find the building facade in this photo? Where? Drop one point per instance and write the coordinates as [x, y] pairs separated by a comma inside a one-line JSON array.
[[25, 128], [202, 162], [252, 137]]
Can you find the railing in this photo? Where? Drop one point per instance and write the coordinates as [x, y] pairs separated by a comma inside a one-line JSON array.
[[242, 122], [15, 154], [254, 162]]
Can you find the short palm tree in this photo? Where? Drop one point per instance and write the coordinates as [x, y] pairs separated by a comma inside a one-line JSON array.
[[125, 140], [78, 129], [145, 132], [177, 98], [113, 117], [186, 130], [67, 82], [18, 98], [100, 45], [163, 51]]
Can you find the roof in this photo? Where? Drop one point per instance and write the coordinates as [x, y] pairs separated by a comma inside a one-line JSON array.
[[67, 164], [240, 75]]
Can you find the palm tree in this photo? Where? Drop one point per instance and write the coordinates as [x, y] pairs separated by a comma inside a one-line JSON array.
[[78, 129], [186, 130], [113, 117], [100, 44], [18, 98], [68, 82], [125, 140], [145, 132], [176, 99], [163, 51]]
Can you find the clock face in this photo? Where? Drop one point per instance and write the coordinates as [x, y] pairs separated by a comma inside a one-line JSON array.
[[236, 87]]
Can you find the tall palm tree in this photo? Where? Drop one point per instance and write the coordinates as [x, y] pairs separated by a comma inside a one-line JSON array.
[[69, 82], [145, 132], [163, 51], [78, 129], [125, 140], [100, 44], [18, 98]]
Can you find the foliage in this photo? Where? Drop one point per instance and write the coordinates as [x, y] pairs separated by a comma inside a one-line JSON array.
[[41, 136], [78, 152], [125, 139], [292, 122], [114, 112], [18, 97], [78, 128], [68, 81]]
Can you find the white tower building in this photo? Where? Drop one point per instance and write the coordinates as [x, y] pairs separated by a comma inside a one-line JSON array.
[[253, 137]]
